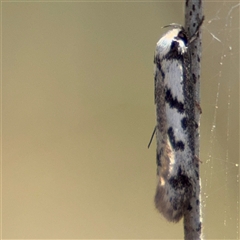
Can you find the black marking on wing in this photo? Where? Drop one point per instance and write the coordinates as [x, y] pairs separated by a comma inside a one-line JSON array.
[[189, 208], [159, 159], [157, 61], [174, 52], [177, 145], [184, 123], [173, 102], [180, 181]]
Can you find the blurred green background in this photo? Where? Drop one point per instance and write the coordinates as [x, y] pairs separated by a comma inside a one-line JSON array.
[[78, 112]]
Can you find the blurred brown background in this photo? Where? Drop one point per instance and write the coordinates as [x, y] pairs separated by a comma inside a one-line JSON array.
[[78, 112]]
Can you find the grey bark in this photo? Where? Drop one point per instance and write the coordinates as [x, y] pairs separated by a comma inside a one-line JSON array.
[[193, 16]]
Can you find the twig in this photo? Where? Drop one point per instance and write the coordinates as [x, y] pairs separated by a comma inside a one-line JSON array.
[[192, 217]]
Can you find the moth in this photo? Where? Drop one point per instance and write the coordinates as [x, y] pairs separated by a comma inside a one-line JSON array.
[[174, 100]]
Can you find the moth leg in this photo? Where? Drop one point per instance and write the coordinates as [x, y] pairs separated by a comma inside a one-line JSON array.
[[197, 105], [197, 159]]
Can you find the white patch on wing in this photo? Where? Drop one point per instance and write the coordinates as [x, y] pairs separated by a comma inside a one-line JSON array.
[[174, 120], [174, 78]]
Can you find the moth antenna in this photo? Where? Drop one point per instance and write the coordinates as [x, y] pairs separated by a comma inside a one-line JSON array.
[[174, 25]]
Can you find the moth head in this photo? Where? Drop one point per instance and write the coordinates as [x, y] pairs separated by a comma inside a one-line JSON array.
[[174, 42], [180, 42]]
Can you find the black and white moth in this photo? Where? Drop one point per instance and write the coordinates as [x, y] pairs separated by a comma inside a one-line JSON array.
[[174, 99]]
